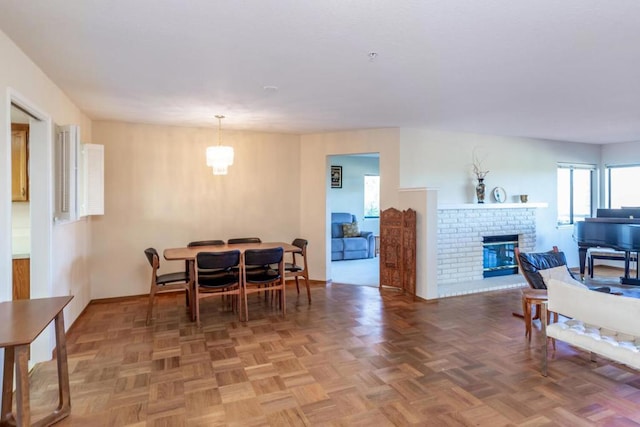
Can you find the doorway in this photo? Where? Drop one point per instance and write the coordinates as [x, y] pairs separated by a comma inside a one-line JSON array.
[[358, 194], [20, 205], [39, 225]]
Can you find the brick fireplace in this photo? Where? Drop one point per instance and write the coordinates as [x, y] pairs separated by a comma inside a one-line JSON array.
[[461, 229]]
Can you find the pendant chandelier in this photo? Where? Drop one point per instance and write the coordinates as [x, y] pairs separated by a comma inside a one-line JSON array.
[[219, 157]]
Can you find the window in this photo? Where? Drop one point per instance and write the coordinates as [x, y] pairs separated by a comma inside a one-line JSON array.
[[371, 196], [623, 186], [575, 192]]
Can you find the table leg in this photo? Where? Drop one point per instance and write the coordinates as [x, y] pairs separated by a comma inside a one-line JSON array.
[[7, 385], [64, 394], [64, 406], [23, 407]]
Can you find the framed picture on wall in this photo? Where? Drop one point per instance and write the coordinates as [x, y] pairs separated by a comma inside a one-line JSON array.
[[336, 176]]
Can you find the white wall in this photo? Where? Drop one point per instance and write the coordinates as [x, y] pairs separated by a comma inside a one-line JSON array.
[[350, 198], [621, 154], [20, 228], [443, 161], [159, 192], [21, 77]]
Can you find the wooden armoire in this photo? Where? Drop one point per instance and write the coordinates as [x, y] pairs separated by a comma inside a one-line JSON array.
[[398, 249]]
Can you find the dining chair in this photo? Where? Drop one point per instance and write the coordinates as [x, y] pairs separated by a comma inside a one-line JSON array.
[[529, 265], [244, 240], [206, 243], [202, 243], [538, 267], [256, 280], [162, 283], [297, 269], [216, 274], [240, 240]]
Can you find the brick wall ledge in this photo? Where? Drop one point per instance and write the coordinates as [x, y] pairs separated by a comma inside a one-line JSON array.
[[528, 205]]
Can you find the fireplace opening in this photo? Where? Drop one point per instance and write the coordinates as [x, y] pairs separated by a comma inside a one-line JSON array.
[[498, 255]]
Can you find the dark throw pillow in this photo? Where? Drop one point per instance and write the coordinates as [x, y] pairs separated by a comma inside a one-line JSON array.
[[350, 229]]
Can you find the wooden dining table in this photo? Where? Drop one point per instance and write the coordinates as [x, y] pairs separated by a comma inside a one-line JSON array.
[[21, 321], [189, 254]]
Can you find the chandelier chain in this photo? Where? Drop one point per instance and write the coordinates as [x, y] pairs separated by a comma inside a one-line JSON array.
[[219, 117]]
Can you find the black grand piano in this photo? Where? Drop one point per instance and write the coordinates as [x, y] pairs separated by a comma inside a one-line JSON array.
[[617, 229]]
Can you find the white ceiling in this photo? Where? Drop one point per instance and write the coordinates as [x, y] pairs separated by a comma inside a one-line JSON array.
[[561, 70]]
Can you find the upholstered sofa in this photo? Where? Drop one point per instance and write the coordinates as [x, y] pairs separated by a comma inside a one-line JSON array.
[[597, 322], [342, 247]]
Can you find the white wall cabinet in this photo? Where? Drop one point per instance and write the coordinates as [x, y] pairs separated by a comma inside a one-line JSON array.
[[19, 162]]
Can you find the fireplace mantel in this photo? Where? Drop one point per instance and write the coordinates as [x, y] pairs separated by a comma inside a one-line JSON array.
[[528, 205]]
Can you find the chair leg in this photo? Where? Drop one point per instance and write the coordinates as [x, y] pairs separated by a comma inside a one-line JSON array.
[[196, 306], [537, 312], [306, 281], [283, 298], [526, 314], [297, 285], [246, 306]]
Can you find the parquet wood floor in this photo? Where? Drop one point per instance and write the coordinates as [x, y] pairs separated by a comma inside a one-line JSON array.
[[354, 357]]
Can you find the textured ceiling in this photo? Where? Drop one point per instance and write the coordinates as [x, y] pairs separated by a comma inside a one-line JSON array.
[[561, 70]]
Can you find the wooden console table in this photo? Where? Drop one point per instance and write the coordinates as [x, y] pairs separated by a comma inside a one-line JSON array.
[[20, 323]]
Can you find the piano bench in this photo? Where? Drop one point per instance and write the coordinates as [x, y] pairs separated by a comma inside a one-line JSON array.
[[610, 255]]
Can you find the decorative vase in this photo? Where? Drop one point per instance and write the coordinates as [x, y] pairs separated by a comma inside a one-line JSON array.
[[480, 190]]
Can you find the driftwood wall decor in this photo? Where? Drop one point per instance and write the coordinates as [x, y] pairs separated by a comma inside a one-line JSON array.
[[398, 249]]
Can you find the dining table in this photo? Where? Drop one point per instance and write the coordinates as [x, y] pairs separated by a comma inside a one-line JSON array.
[[21, 321], [188, 253]]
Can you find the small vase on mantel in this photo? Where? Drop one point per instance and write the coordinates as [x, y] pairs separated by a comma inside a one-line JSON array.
[[480, 190]]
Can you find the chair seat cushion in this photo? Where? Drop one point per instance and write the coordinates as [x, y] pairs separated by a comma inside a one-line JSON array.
[[262, 276], [615, 345], [165, 279], [355, 244], [292, 267], [220, 280]]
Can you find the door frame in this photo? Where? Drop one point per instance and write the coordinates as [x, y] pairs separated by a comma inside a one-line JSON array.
[[41, 209]]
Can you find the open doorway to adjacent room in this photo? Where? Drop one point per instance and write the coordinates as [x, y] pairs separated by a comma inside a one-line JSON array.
[[354, 205], [31, 210], [20, 206]]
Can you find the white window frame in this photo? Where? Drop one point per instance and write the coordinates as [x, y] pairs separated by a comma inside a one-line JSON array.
[[608, 169], [365, 198], [593, 190]]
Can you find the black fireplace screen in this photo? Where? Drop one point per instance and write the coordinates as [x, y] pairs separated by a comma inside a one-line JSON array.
[[498, 255]]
